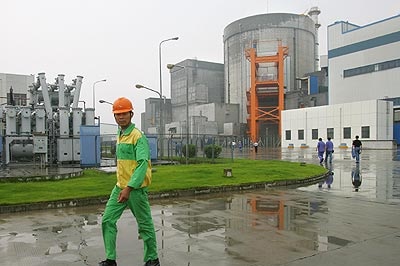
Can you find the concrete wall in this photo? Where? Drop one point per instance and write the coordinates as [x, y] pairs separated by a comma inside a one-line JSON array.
[[220, 113], [198, 126], [201, 126], [232, 129], [150, 118]]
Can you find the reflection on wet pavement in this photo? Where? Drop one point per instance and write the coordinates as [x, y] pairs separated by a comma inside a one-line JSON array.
[[304, 226]]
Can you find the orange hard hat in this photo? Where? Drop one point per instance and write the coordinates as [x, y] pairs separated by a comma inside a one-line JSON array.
[[122, 105]]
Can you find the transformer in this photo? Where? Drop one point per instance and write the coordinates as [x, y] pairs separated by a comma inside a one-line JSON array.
[[49, 126]]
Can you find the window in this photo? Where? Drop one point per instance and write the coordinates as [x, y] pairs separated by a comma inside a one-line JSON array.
[[371, 68], [17, 99], [330, 133], [396, 115], [288, 134], [314, 133], [300, 134], [365, 132], [388, 64], [347, 132]]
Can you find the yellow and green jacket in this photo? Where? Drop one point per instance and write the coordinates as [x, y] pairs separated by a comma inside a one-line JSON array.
[[133, 159]]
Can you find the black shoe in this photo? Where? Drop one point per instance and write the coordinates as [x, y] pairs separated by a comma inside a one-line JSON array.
[[108, 262], [155, 262]]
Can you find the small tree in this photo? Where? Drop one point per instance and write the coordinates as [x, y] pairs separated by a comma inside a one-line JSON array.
[[208, 150], [192, 150]]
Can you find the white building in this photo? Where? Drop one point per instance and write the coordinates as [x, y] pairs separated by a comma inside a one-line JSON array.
[[363, 66], [19, 85], [364, 62], [371, 120]]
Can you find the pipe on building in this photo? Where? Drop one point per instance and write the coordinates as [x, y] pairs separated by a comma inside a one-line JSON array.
[[61, 88], [45, 93], [77, 92]]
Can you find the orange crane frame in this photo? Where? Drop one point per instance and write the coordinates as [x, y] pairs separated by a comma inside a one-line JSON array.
[[270, 113]]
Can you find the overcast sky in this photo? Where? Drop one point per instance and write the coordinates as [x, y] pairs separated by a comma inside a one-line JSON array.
[[118, 40]]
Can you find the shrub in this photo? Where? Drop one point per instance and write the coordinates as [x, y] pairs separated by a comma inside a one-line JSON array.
[[192, 150], [208, 150]]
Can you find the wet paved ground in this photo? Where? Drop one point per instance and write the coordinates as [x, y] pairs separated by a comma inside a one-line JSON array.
[[306, 226], [31, 172]]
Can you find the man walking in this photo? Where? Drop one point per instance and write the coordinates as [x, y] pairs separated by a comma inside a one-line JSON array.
[[329, 150], [321, 150], [255, 144], [356, 149], [133, 177]]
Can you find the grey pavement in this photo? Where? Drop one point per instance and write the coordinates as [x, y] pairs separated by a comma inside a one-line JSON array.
[[309, 225]]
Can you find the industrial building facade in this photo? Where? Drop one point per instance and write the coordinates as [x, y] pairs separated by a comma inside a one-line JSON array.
[[195, 83], [248, 43], [371, 120], [263, 32], [150, 118], [364, 62], [363, 67]]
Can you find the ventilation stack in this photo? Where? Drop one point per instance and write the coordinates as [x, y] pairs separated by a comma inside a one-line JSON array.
[[313, 13]]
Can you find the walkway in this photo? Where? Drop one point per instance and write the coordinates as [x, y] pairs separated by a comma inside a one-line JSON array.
[[307, 226]]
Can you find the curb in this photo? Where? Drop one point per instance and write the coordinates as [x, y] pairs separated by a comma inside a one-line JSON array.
[[242, 187], [49, 177]]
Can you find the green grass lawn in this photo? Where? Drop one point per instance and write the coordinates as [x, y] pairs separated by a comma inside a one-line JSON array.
[[94, 183]]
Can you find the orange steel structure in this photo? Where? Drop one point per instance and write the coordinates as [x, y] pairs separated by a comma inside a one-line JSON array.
[[260, 90]]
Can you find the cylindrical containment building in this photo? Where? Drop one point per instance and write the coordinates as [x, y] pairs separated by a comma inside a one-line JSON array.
[[264, 33]]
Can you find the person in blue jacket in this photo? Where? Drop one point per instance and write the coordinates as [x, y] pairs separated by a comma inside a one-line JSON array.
[[321, 150], [356, 149], [328, 150]]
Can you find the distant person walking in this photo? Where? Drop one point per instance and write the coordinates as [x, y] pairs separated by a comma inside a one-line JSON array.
[[321, 150], [240, 145], [255, 144], [356, 149], [328, 150]]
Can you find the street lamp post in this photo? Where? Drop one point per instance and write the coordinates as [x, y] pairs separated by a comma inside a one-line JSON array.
[[170, 67], [160, 130], [84, 105], [161, 93], [93, 92], [107, 102]]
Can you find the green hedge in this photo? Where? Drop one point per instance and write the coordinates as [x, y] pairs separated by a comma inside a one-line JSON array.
[[192, 151], [208, 150]]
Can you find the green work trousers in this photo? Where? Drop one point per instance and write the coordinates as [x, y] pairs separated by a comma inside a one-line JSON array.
[[138, 203]]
